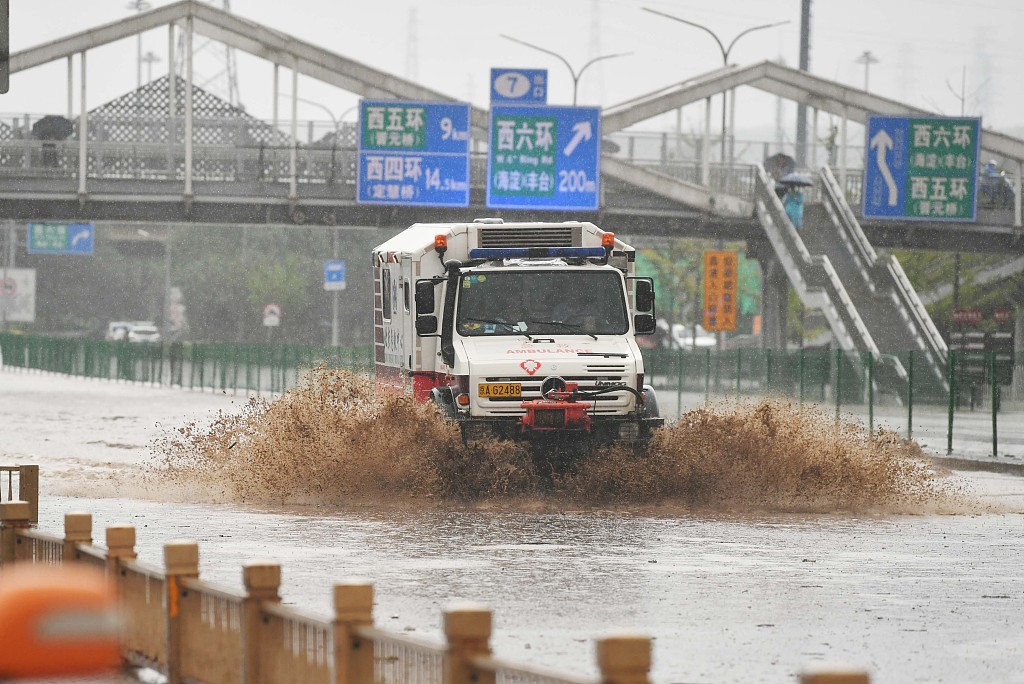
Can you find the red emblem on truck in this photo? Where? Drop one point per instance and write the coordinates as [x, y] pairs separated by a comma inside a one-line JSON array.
[[530, 366]]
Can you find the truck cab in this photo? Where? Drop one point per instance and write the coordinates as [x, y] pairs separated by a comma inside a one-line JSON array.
[[524, 331]]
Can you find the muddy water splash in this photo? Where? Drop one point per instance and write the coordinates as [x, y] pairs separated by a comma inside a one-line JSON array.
[[334, 441]]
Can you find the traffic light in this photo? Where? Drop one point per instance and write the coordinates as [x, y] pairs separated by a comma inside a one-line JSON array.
[[5, 45]]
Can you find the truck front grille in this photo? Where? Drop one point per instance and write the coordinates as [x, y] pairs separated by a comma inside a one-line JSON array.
[[547, 236], [611, 403]]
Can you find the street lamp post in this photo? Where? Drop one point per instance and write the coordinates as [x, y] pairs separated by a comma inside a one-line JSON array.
[[867, 59], [575, 74], [722, 48]]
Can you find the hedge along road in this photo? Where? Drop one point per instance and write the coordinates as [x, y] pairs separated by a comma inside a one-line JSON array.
[[727, 596]]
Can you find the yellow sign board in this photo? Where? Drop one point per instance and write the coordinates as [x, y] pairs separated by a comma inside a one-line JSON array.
[[720, 290]]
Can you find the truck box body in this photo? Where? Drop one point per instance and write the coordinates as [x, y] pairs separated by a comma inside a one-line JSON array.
[[517, 303]]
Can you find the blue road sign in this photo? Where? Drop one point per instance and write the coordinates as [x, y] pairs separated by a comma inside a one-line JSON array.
[[334, 275], [413, 153], [544, 158], [519, 86], [921, 168], [60, 238]]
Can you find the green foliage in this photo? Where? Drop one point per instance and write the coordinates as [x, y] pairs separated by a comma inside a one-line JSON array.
[[930, 271], [678, 271]]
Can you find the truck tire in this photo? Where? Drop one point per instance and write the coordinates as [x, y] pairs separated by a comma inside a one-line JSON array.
[[651, 409]]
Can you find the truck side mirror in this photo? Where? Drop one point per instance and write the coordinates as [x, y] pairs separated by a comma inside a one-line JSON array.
[[426, 325], [424, 297], [644, 296], [644, 324]]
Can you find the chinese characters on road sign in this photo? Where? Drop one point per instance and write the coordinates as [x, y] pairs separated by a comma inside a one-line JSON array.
[[414, 153], [524, 158], [544, 158], [921, 168], [942, 168], [720, 287]]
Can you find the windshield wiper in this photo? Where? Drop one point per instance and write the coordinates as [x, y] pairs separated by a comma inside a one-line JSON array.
[[513, 327], [573, 326]]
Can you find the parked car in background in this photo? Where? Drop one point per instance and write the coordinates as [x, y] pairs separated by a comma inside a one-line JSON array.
[[682, 337], [118, 330], [146, 332]]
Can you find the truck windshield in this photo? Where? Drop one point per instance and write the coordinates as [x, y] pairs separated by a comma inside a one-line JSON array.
[[541, 302]]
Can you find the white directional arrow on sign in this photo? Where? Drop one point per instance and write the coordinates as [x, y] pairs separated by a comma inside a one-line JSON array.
[[883, 143], [581, 131]]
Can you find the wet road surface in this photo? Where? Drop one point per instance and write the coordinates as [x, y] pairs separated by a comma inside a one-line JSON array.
[[728, 597]]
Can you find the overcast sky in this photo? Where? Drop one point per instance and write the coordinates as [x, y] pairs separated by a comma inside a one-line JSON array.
[[922, 47]]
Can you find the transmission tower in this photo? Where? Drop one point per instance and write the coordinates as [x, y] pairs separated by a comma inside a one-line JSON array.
[[214, 68]]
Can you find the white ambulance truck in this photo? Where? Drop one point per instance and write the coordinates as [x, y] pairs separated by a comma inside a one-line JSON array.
[[518, 330]]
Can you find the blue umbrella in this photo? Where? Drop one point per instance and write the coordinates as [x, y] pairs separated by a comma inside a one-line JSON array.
[[796, 179]]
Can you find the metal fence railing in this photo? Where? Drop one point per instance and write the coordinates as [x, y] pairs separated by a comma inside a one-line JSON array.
[[982, 412], [985, 395], [218, 367]]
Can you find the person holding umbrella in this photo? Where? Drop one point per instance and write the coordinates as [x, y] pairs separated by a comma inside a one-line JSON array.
[[793, 199]]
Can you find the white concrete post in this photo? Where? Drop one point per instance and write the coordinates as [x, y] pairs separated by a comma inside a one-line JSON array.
[[188, 108], [1016, 193], [171, 68], [842, 158], [814, 138], [172, 105], [71, 85], [276, 97], [293, 192], [732, 126], [705, 147], [83, 136]]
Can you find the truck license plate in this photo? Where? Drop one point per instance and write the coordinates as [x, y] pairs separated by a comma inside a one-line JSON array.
[[496, 390]]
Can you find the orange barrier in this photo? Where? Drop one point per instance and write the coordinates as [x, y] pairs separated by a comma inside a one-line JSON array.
[[57, 621]]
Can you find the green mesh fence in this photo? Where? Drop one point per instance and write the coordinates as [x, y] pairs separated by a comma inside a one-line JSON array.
[[235, 368]]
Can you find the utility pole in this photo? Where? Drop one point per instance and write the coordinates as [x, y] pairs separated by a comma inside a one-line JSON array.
[[804, 65], [148, 59], [867, 59]]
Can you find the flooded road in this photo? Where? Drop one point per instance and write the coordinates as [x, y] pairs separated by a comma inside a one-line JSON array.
[[728, 596]]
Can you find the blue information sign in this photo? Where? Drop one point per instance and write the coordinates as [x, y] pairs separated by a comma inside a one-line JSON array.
[[413, 153], [60, 238], [921, 168], [544, 158], [334, 275], [519, 86]]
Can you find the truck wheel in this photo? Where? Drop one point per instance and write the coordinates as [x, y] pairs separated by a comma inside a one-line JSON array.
[[651, 409]]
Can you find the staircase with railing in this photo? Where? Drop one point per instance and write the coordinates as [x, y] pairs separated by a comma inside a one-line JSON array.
[[820, 286], [888, 304]]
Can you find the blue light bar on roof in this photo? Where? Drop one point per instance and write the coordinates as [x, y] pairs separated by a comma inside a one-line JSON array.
[[535, 252]]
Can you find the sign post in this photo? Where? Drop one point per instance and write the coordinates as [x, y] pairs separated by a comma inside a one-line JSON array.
[[720, 287], [334, 282], [60, 238], [519, 86], [544, 158], [271, 315], [17, 295], [413, 153], [923, 169]]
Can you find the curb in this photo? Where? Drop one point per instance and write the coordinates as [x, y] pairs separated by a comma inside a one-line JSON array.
[[955, 463]]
